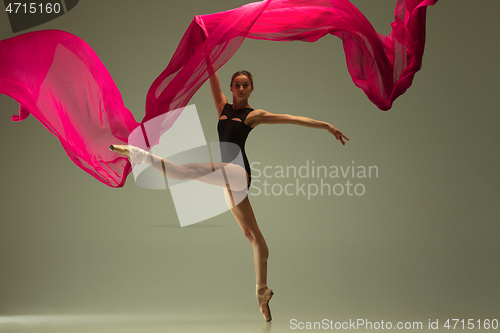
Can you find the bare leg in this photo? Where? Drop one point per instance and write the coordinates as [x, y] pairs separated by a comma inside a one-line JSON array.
[[234, 176], [243, 213], [246, 219]]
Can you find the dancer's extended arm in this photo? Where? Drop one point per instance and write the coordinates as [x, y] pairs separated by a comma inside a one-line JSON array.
[[264, 117]]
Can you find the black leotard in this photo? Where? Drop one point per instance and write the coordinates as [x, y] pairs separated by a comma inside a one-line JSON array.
[[234, 131]]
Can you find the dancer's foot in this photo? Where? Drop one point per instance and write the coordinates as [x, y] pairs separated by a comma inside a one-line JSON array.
[[135, 155], [120, 149], [264, 295]]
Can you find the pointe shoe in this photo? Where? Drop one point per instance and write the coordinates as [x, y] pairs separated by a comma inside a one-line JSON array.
[[120, 149], [263, 301], [134, 154]]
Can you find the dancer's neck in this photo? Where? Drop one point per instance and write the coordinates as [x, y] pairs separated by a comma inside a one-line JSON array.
[[240, 104]]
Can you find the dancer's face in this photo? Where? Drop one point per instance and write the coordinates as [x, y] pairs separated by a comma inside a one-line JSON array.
[[241, 87]]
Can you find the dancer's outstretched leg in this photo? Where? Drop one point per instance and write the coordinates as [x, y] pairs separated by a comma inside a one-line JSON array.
[[234, 178], [243, 213]]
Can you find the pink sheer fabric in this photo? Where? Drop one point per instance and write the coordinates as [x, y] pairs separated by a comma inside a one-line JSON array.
[[58, 78]]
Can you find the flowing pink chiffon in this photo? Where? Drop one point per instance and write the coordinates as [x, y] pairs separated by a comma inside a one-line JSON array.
[[58, 78]]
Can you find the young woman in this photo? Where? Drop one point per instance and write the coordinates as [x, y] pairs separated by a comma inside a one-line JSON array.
[[235, 123]]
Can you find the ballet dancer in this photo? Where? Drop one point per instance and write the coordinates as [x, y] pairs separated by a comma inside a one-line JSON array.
[[236, 121]]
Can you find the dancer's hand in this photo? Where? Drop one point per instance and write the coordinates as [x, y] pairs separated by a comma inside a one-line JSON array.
[[338, 134]]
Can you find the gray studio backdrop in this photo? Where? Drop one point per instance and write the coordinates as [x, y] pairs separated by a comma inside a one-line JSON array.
[[420, 242]]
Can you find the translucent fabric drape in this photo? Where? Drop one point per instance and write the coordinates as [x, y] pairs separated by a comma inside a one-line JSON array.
[[57, 77]]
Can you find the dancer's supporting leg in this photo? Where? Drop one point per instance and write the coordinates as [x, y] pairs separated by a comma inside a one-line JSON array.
[[246, 219]]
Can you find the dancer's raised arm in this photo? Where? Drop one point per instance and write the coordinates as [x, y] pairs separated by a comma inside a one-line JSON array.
[[263, 117], [219, 98]]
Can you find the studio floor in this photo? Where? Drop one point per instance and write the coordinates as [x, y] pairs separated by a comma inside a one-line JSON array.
[[206, 323]]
